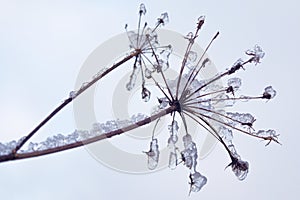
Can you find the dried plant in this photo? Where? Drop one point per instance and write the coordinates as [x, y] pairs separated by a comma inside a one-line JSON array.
[[187, 96]]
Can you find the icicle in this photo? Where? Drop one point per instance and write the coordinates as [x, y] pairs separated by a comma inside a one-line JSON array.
[[197, 181], [153, 155]]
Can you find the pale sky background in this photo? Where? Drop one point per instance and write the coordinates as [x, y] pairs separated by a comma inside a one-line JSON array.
[[43, 45]]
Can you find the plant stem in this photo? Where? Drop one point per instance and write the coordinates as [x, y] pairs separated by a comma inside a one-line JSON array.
[[70, 99], [18, 156]]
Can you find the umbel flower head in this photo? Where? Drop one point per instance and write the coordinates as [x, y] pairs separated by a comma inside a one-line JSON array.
[[203, 101]]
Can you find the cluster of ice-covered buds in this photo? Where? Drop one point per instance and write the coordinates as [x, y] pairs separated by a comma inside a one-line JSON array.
[[203, 101]]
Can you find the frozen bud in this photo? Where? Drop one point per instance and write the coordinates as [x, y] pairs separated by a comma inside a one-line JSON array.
[[142, 9], [257, 53], [269, 93], [130, 85], [240, 168], [236, 66], [201, 20], [146, 94], [163, 20], [153, 155], [235, 83], [197, 181]]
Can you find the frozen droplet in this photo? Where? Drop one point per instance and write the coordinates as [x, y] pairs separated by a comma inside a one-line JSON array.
[[173, 160], [153, 154], [192, 56], [142, 9], [146, 94], [130, 85], [269, 93], [72, 94], [197, 181], [240, 168], [235, 83], [148, 73]]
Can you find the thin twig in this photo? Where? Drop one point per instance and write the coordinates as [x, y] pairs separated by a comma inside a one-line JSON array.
[[70, 99]]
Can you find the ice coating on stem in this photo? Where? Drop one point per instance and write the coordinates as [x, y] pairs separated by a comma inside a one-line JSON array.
[[173, 129], [189, 154]]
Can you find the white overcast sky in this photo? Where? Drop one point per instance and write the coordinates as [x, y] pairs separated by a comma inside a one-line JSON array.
[[43, 45]]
